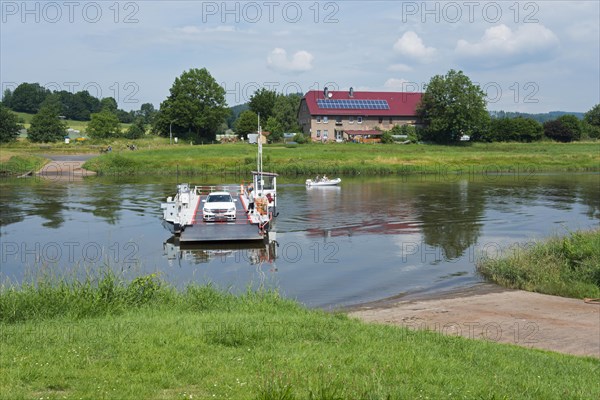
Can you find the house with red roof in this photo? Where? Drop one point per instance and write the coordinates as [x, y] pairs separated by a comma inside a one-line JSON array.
[[355, 116]]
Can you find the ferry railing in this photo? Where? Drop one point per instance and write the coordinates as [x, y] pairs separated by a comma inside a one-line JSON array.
[[234, 190]]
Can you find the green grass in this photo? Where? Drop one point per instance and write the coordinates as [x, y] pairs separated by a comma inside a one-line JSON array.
[[13, 164], [106, 338], [354, 159], [93, 146], [567, 266]]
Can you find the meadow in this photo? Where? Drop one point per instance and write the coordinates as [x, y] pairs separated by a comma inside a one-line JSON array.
[[107, 337], [354, 159]]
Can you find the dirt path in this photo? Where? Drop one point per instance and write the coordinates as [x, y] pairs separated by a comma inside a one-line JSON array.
[[65, 167], [492, 313]]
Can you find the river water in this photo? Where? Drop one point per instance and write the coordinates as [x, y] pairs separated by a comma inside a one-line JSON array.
[[369, 239]]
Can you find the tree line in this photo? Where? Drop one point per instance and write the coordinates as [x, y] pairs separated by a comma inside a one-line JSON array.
[[451, 108], [79, 106], [51, 108]]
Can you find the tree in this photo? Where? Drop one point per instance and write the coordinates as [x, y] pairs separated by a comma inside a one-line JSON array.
[[103, 125], [262, 102], [386, 138], [286, 112], [274, 126], [28, 97], [591, 123], [147, 112], [512, 129], [9, 125], [592, 117], [7, 98], [196, 104], [137, 129], [46, 125], [527, 130], [109, 104], [125, 117], [563, 129], [452, 106], [246, 123]]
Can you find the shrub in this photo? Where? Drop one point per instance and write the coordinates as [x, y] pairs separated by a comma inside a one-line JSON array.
[[300, 138], [564, 129]]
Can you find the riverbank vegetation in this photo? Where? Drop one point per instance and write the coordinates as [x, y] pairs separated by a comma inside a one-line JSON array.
[[354, 159], [564, 266], [103, 337], [19, 163]]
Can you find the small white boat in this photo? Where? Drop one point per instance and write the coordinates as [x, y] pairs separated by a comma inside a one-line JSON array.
[[323, 182]]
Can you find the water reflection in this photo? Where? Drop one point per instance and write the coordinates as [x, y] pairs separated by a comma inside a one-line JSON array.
[[252, 253], [367, 239], [451, 216]]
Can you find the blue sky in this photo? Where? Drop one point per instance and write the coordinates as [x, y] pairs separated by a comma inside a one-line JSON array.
[[528, 56]]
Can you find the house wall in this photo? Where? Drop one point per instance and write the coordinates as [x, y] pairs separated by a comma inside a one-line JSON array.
[[317, 125], [304, 117]]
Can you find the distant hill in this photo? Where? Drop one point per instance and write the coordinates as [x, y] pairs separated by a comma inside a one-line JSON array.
[[235, 113], [542, 117]]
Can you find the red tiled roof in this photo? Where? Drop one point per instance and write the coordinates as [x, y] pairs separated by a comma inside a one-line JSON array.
[[370, 132], [401, 103]]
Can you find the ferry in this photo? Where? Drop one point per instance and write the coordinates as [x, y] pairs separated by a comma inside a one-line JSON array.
[[223, 213]]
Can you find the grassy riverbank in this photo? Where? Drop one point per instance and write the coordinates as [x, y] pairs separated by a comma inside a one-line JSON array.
[[104, 338], [18, 163], [352, 159], [156, 157], [567, 266]]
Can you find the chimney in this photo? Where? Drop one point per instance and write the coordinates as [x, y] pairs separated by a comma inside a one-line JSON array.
[[325, 92], [351, 92]]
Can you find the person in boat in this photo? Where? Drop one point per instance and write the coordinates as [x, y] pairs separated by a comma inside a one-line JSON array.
[[325, 178], [318, 178]]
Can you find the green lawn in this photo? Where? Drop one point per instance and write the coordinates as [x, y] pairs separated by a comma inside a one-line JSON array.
[[351, 159], [107, 339]]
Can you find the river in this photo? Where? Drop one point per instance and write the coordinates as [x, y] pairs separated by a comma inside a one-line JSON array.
[[369, 239]]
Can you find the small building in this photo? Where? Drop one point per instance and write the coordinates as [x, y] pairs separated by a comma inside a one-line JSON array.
[[253, 137], [355, 116]]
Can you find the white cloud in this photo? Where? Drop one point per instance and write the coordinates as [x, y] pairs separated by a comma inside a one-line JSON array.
[[411, 45], [192, 33], [400, 68], [301, 61], [395, 84], [500, 45]]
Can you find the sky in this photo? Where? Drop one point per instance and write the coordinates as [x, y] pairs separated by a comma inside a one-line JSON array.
[[528, 56]]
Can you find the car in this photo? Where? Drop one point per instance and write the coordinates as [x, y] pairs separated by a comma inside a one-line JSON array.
[[219, 206]]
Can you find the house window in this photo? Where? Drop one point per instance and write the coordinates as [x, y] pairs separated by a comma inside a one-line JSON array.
[[325, 119], [351, 120], [391, 121], [381, 120], [325, 134], [338, 120], [318, 119], [359, 120], [318, 133]]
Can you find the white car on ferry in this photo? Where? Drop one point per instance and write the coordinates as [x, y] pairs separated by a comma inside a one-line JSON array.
[[219, 206]]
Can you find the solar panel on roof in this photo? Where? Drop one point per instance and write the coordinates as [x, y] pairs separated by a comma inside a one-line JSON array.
[[353, 104]]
